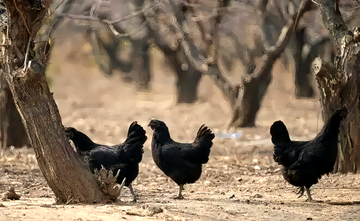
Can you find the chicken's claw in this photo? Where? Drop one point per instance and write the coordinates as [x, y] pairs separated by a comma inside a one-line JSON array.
[[132, 193], [300, 191], [180, 196]]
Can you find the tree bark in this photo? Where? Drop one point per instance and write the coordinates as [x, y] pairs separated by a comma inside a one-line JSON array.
[[339, 84], [66, 174], [303, 88]]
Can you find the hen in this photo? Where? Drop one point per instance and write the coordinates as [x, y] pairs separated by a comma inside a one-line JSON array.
[[124, 157], [305, 162], [182, 162]]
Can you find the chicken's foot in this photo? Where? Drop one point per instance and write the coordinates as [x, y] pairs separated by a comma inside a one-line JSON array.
[[132, 193], [300, 191], [309, 199], [180, 196]]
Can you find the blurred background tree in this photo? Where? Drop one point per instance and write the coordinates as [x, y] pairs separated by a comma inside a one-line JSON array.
[[235, 43]]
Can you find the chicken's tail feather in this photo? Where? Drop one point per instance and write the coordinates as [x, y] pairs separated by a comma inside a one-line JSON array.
[[204, 134], [134, 142], [136, 134], [203, 143]]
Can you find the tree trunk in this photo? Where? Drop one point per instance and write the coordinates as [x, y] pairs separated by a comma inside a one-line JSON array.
[[339, 84], [302, 82], [187, 85], [249, 102], [12, 131], [137, 69], [66, 174], [141, 62], [303, 87], [187, 76]]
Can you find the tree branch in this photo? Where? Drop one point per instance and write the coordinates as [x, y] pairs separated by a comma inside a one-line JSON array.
[[109, 23], [190, 50], [267, 59], [22, 17], [112, 29], [116, 20], [339, 32]]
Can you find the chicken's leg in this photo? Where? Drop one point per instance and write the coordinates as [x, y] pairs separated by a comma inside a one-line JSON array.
[[309, 199], [132, 193], [300, 191], [180, 196]]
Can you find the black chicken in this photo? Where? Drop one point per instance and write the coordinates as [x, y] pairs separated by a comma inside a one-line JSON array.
[[182, 162], [125, 157], [305, 162]]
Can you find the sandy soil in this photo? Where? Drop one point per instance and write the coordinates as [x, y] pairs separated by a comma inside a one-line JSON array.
[[240, 182]]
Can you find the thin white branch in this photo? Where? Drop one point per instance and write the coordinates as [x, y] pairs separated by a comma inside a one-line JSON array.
[[112, 29], [113, 21], [27, 54], [94, 7]]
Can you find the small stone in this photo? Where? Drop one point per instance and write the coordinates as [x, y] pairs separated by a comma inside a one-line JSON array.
[[257, 196], [11, 195]]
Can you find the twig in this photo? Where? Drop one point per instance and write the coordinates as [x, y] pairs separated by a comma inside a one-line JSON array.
[[303, 4], [27, 53], [190, 50], [127, 34], [284, 37], [113, 21], [223, 4], [22, 16], [51, 13], [55, 22], [94, 7], [133, 14], [122, 184]]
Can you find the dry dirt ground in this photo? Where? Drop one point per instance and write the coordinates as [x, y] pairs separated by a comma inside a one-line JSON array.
[[240, 182]]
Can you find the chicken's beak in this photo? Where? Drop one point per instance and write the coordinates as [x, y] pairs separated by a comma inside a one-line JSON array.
[[152, 124], [69, 134]]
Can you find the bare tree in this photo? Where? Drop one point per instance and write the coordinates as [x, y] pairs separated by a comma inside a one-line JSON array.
[[107, 39], [23, 64], [246, 97], [187, 76], [338, 83]]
